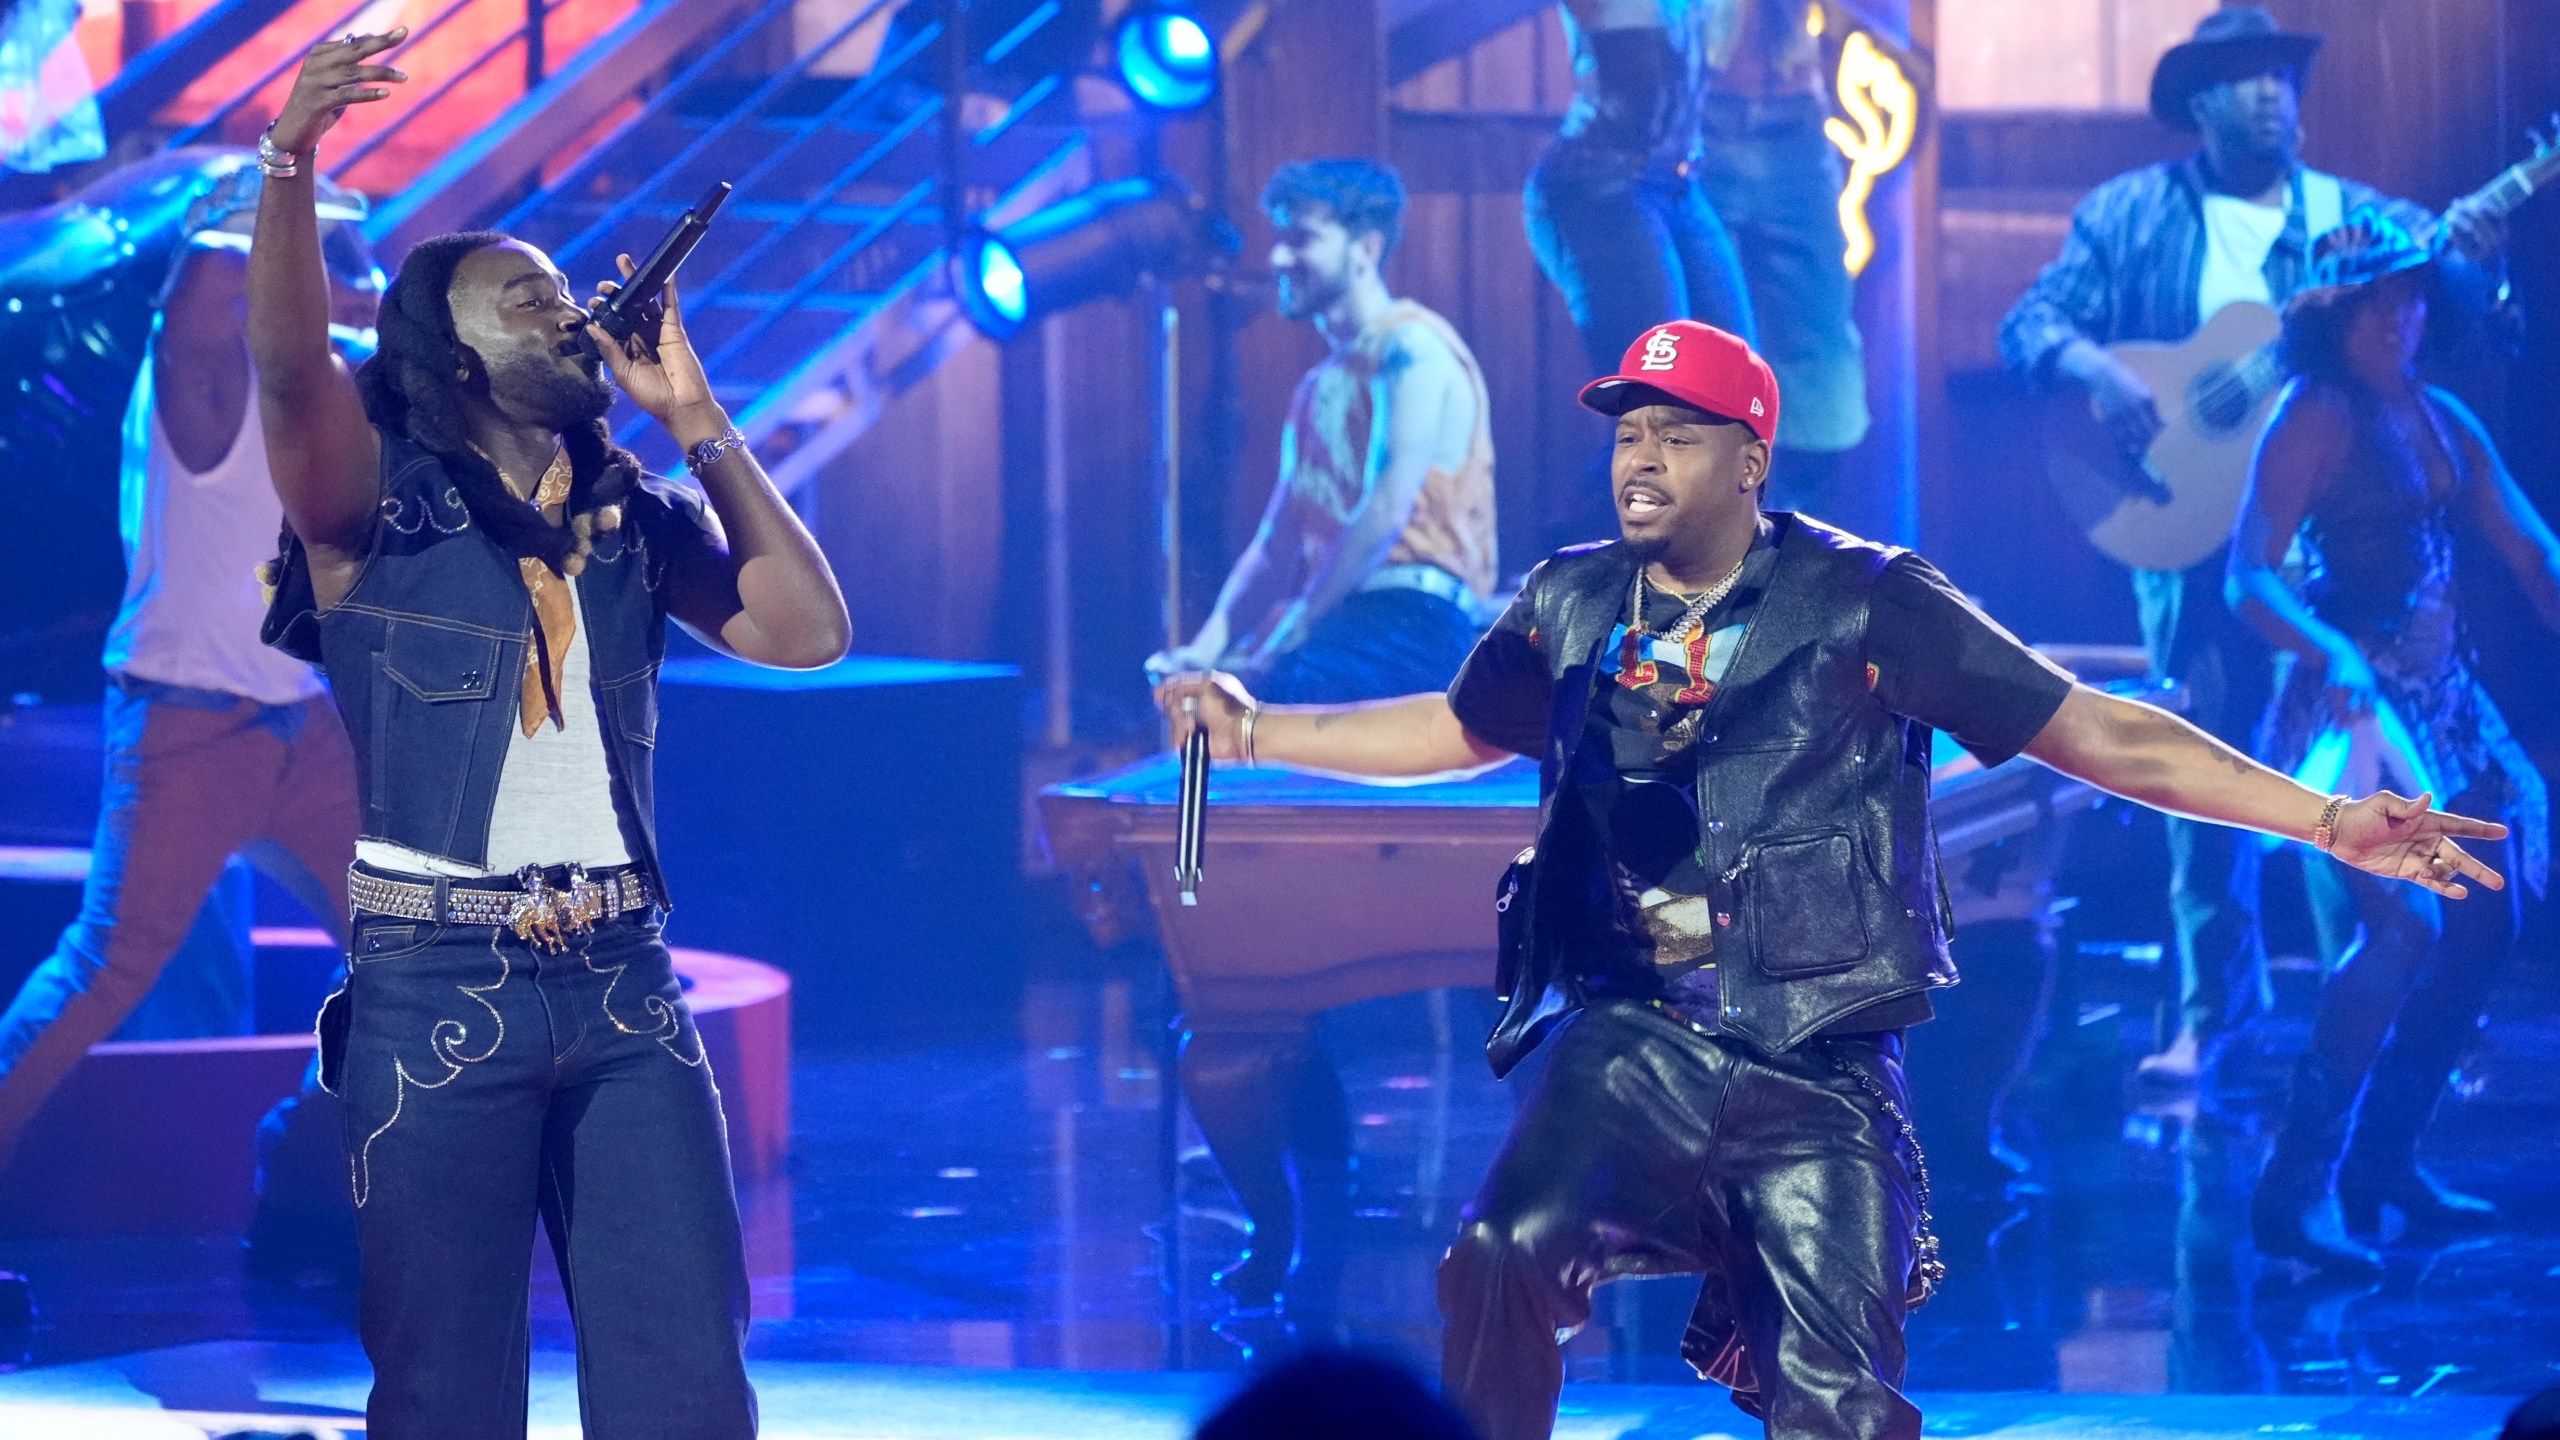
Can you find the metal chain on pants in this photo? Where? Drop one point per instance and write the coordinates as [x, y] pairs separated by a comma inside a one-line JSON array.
[[1930, 1270]]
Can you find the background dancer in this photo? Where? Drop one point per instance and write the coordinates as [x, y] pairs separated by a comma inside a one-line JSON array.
[[2379, 477], [1734, 907], [215, 745]]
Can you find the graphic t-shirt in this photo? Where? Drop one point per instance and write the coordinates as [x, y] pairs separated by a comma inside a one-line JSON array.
[[1636, 775], [1932, 657]]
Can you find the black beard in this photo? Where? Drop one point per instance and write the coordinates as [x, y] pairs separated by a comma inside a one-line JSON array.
[[1647, 551], [548, 396], [1313, 299]]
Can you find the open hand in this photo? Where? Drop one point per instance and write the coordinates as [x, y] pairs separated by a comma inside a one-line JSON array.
[[335, 75], [2404, 839], [662, 375], [1213, 699]]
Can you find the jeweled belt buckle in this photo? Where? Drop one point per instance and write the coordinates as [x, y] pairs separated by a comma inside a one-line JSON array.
[[547, 917]]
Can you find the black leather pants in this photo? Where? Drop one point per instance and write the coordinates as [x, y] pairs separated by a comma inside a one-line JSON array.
[[1644, 1148]]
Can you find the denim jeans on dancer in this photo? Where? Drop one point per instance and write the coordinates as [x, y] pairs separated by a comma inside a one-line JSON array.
[[486, 1082], [1631, 243], [2193, 637], [193, 777]]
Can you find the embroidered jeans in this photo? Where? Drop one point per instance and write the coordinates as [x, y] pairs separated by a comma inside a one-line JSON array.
[[485, 1083]]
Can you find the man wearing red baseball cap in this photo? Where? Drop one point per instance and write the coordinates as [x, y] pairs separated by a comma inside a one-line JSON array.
[[1734, 907]]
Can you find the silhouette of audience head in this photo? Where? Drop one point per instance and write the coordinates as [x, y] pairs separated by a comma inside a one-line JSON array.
[[1336, 1395], [2538, 1418]]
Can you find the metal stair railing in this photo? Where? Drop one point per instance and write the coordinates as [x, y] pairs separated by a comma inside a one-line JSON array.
[[753, 107], [803, 130], [822, 203], [510, 154], [527, 34], [151, 80], [891, 348]]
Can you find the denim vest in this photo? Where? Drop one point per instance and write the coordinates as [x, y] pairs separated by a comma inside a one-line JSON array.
[[426, 655], [1814, 798]]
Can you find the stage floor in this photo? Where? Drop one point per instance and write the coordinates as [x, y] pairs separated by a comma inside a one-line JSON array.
[[321, 1386], [972, 1232]]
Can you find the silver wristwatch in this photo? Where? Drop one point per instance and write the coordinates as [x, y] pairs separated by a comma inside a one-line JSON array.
[[704, 454]]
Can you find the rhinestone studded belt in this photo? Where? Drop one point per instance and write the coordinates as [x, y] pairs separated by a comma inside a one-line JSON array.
[[537, 910]]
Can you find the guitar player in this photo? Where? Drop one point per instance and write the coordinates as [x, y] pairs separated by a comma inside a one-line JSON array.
[[2151, 256]]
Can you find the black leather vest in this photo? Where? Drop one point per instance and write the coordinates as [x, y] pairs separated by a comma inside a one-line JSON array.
[[426, 653], [1813, 801]]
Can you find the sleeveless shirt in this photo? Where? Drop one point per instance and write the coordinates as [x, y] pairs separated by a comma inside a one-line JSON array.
[[193, 543], [1329, 439]]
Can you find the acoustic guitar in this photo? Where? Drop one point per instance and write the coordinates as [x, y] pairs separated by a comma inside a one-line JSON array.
[[2174, 505]]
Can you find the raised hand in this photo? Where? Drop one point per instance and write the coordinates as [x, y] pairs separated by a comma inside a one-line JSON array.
[[2403, 839], [335, 75], [662, 376]]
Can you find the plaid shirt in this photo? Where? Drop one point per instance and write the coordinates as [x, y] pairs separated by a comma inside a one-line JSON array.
[[2134, 261]]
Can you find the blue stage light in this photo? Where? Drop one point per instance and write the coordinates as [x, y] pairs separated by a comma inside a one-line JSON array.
[[1000, 280], [1167, 58], [1094, 243]]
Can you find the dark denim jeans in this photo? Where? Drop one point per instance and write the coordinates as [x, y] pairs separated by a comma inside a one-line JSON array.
[[1631, 243], [1774, 179], [485, 1083], [1376, 645]]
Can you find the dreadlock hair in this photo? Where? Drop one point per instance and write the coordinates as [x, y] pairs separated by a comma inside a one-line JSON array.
[[409, 387]]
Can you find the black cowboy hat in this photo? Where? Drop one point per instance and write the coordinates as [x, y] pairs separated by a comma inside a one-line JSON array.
[[2233, 41]]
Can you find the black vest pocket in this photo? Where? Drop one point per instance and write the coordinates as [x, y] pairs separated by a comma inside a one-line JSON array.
[[1804, 895]]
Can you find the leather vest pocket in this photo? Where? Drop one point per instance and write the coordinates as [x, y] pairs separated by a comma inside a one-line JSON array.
[[1805, 897], [437, 664]]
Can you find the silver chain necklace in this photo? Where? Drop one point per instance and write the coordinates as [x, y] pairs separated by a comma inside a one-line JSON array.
[[1699, 604]]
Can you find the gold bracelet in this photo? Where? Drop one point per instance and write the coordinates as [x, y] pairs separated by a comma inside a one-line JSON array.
[[2324, 836], [1252, 713]]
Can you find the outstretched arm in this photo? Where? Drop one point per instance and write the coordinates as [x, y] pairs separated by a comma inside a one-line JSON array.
[[2148, 755], [321, 450], [1416, 737]]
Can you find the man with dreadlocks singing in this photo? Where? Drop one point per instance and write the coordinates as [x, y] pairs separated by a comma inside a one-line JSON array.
[[486, 579]]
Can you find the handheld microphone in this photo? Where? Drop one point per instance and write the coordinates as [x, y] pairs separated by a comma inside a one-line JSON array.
[[641, 303], [1191, 831]]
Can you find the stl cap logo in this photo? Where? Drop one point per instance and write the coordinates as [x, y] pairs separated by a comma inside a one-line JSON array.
[[1757, 408], [1661, 350]]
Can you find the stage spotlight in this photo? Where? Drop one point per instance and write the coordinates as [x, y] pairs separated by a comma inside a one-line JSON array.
[[1167, 58], [1090, 245]]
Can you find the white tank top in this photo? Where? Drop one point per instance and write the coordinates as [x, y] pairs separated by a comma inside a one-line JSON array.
[[555, 796], [192, 547]]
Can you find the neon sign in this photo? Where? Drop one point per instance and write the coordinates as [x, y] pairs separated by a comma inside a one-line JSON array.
[[1883, 115]]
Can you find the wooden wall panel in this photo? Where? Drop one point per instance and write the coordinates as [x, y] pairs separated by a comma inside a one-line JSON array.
[[911, 515]]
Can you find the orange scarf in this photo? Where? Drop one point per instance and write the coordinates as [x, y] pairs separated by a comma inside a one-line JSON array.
[[555, 615]]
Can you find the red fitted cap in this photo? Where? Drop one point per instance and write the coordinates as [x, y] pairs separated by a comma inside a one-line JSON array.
[[1689, 362]]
